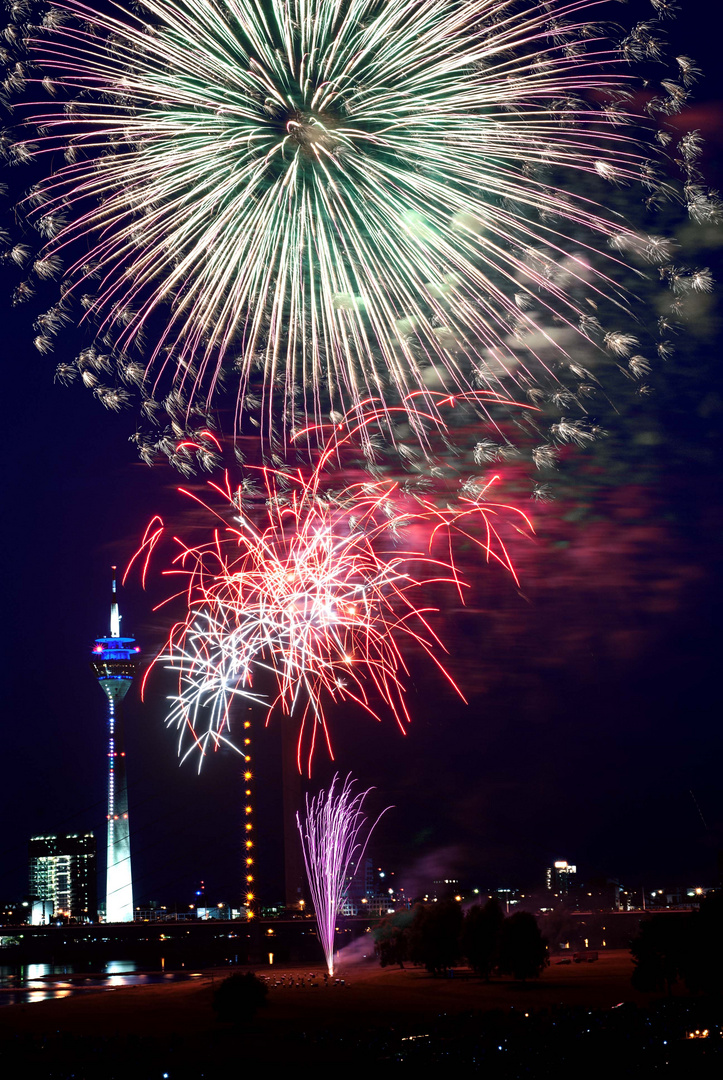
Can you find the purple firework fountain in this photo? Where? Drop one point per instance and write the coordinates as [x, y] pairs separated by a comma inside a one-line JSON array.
[[331, 836]]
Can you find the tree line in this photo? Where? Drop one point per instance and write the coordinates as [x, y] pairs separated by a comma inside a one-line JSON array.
[[438, 936], [674, 948]]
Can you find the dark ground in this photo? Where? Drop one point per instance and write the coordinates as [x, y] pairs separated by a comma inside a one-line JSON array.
[[574, 1015]]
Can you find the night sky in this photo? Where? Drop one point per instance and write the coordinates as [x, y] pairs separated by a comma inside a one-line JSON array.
[[593, 726]]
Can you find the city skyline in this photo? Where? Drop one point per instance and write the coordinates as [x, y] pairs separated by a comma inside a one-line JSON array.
[[154, 748], [605, 751]]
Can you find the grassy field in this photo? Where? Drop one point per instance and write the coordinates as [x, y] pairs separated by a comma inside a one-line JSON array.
[[181, 1014]]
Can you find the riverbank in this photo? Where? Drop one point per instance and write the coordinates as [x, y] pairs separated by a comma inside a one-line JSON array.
[[373, 1015]]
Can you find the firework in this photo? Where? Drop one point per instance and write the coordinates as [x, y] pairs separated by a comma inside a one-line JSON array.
[[331, 837], [309, 591], [309, 202], [207, 687]]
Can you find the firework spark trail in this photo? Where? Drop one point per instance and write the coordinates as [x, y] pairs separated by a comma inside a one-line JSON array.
[[312, 586], [349, 199], [208, 685], [331, 838]]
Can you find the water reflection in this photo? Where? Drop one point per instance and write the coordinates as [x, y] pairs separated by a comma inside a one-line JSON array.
[[35, 971], [28, 983], [29, 996], [120, 967]]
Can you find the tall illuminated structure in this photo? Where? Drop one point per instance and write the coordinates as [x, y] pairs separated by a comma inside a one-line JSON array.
[[114, 665]]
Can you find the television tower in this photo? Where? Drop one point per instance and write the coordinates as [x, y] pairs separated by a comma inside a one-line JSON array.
[[114, 665]]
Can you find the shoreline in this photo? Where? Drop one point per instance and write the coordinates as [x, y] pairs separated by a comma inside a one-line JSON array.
[[376, 1015], [370, 994]]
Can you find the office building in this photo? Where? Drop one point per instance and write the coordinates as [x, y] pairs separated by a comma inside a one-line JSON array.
[[62, 877]]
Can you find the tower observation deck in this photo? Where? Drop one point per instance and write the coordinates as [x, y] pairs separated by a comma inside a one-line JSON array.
[[114, 664]]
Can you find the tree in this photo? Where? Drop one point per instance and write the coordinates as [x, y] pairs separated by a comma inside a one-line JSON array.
[[481, 935], [659, 952], [672, 947], [703, 964], [523, 950], [238, 997], [434, 935], [391, 938]]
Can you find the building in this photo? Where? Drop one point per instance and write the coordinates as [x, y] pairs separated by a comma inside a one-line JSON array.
[[364, 881], [62, 877], [371, 891], [114, 664], [560, 877]]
